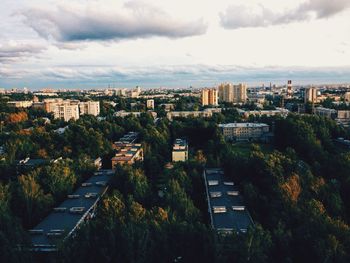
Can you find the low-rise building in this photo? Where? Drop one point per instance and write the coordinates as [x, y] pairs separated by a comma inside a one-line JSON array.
[[227, 210], [127, 153], [20, 104], [124, 113], [185, 114], [326, 112], [277, 112], [180, 151], [244, 131]]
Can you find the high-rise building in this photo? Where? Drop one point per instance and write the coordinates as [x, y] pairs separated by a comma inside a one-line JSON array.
[[233, 93], [67, 110], [209, 97], [289, 89], [150, 104], [89, 107], [310, 95]]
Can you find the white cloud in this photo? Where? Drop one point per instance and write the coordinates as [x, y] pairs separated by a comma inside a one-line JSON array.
[[241, 16], [95, 22], [13, 51]]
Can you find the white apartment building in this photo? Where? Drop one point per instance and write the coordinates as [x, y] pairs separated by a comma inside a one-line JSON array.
[[244, 131], [150, 104], [67, 110], [89, 107], [180, 151]]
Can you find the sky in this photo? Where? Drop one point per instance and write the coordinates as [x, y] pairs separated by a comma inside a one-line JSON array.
[[167, 43]]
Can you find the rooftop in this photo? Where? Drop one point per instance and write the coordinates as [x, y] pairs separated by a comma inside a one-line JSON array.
[[227, 209], [180, 145], [64, 219]]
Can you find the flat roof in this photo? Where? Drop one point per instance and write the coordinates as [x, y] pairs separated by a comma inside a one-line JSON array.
[[243, 125], [65, 221], [235, 216]]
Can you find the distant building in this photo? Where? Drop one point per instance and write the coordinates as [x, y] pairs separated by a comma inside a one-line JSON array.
[[347, 96], [289, 89], [167, 106], [89, 107], [310, 95], [233, 93], [277, 112], [124, 113], [67, 110], [185, 114], [127, 153], [209, 97], [180, 151], [150, 104], [326, 112], [20, 104], [244, 131], [61, 109]]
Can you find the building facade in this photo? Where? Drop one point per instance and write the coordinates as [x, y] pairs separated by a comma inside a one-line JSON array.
[[310, 95], [244, 131], [232, 93], [150, 104], [209, 97], [89, 107], [180, 151]]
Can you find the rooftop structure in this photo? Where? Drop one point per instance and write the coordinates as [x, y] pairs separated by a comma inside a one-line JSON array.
[[180, 151], [66, 218], [225, 203], [127, 152]]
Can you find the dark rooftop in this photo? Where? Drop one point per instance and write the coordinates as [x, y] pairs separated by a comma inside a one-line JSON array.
[[227, 209], [63, 220]]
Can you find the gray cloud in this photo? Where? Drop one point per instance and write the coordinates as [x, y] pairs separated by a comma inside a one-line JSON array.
[[239, 16], [136, 20], [18, 51]]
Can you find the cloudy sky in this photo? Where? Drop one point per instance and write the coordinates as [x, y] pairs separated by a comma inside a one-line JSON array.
[[152, 43]]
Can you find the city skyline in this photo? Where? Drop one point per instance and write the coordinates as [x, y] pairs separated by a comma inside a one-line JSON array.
[[87, 44]]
